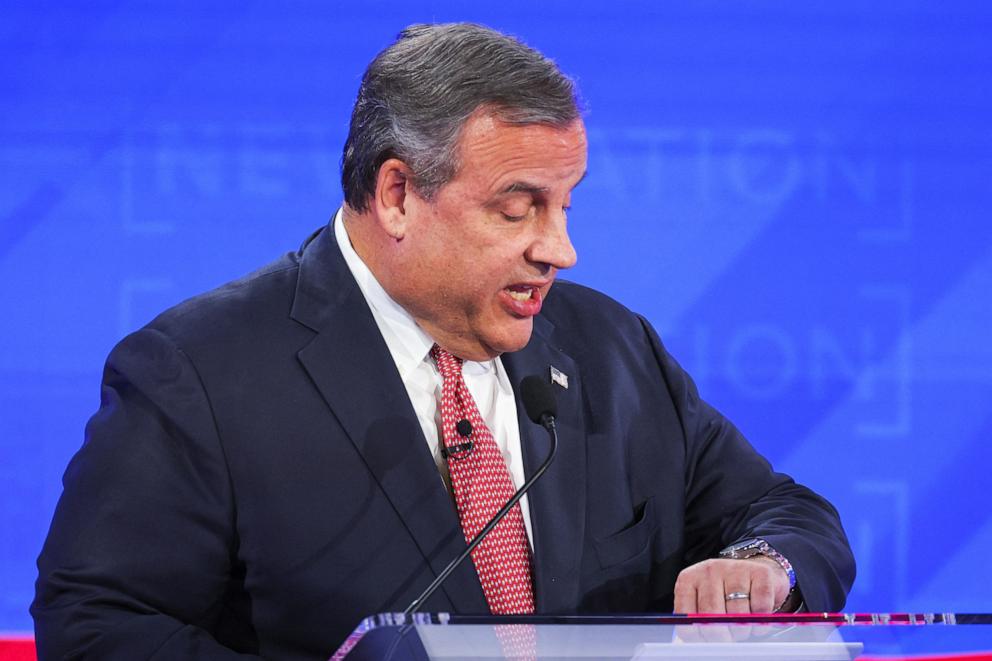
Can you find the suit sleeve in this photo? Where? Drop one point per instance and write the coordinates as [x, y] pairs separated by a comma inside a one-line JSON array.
[[142, 548], [732, 494]]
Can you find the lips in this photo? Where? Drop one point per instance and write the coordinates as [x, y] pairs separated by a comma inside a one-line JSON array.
[[523, 300]]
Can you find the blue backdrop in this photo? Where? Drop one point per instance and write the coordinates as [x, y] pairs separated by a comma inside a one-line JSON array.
[[796, 194]]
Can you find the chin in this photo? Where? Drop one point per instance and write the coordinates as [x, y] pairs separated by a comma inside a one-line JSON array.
[[514, 338]]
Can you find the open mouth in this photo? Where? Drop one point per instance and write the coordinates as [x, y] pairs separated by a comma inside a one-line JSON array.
[[523, 300], [520, 292]]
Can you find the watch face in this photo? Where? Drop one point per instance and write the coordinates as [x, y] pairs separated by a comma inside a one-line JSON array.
[[745, 549]]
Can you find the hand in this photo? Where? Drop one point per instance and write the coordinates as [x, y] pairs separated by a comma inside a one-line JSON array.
[[704, 586]]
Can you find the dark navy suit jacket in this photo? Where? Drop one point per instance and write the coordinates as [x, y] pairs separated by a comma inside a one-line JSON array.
[[256, 480]]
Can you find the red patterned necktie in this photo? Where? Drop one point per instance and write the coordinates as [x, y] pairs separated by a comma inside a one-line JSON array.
[[482, 485]]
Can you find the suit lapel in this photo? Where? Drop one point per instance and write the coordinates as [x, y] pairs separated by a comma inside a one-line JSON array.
[[350, 365], [557, 500]]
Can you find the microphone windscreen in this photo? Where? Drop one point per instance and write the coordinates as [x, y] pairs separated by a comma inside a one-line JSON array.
[[538, 397]]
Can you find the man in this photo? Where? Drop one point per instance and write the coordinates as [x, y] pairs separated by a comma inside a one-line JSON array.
[[275, 459]]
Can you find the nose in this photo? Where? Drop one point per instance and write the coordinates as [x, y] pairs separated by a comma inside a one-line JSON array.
[[552, 246]]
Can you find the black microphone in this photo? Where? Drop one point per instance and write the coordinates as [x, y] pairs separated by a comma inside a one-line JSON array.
[[539, 401], [464, 429], [541, 407]]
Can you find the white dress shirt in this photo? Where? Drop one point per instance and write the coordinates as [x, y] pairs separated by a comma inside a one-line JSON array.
[[410, 348]]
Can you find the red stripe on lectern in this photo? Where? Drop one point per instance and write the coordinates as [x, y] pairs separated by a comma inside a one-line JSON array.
[[17, 648], [964, 656]]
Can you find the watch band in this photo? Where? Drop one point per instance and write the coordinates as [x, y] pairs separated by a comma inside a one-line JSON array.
[[757, 546]]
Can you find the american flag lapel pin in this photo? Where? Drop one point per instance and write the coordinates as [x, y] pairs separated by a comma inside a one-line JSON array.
[[559, 377]]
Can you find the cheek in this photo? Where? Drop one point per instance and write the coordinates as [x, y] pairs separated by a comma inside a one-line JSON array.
[[472, 285]]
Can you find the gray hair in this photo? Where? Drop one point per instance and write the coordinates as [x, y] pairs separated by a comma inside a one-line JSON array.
[[417, 94]]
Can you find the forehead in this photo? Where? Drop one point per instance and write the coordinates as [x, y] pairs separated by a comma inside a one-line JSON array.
[[493, 154]]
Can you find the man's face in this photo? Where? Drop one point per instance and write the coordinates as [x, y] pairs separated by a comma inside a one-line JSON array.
[[481, 257]]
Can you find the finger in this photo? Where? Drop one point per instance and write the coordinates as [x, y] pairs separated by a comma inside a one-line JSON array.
[[709, 594], [737, 595], [685, 595], [770, 584], [762, 593]]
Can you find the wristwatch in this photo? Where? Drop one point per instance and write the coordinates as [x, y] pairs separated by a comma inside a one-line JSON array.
[[757, 546]]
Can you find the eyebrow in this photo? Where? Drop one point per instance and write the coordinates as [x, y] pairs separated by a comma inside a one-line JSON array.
[[533, 189], [524, 187]]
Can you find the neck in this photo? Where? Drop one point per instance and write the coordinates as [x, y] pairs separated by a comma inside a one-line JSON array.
[[383, 256], [369, 247]]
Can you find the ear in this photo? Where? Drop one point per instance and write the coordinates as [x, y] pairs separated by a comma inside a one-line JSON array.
[[392, 187]]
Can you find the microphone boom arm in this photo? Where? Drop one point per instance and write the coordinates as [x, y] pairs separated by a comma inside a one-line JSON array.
[[548, 422]]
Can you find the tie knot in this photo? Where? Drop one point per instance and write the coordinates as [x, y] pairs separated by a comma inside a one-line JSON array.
[[448, 364]]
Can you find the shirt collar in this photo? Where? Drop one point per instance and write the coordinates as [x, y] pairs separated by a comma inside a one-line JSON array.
[[407, 341]]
